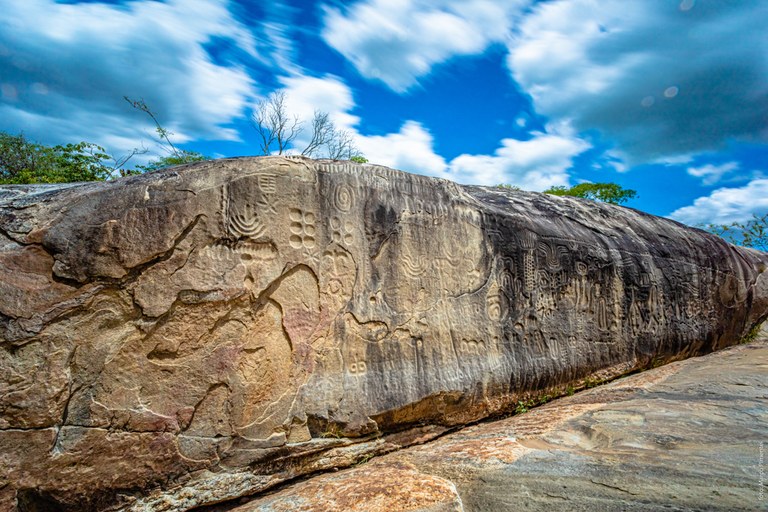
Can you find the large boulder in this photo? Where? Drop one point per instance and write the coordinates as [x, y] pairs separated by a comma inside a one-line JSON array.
[[205, 332], [672, 438]]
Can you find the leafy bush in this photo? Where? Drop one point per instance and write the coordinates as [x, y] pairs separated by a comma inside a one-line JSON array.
[[23, 161], [605, 192], [180, 157], [753, 233]]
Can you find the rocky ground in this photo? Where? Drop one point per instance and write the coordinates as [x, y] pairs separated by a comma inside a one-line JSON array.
[[687, 436]]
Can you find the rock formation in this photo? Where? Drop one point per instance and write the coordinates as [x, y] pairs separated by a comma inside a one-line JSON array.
[[205, 332], [671, 438]]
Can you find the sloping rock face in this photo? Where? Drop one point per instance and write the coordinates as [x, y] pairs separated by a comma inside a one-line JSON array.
[[671, 438], [194, 335]]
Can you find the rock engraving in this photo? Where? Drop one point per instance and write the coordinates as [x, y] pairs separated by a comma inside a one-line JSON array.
[[178, 351]]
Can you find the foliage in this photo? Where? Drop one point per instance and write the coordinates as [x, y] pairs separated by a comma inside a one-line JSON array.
[[752, 334], [753, 233], [507, 186], [359, 159], [278, 131], [605, 192], [23, 161], [591, 382], [179, 158]]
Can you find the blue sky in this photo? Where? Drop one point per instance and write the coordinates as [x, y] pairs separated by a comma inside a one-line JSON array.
[[668, 97]]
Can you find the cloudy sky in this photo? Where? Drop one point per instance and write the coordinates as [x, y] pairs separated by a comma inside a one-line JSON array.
[[668, 97]]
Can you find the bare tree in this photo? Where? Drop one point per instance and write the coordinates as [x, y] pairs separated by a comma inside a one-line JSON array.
[[278, 131], [164, 134], [274, 125], [341, 145], [322, 132], [175, 156], [121, 161]]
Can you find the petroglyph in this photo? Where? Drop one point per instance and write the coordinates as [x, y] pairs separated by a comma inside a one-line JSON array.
[[302, 228], [221, 325], [244, 221], [343, 197], [342, 231]]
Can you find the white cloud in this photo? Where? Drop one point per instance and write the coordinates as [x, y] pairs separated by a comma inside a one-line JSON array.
[[70, 65], [399, 41], [659, 81], [726, 205], [411, 149], [711, 174], [535, 164], [305, 94]]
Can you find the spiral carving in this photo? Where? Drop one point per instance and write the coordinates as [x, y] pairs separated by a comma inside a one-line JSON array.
[[343, 198]]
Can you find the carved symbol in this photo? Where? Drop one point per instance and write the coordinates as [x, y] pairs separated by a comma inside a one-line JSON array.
[[244, 221], [528, 240], [302, 228], [342, 231], [413, 266], [268, 183], [344, 198], [495, 304], [218, 252], [358, 368], [472, 347], [255, 251], [545, 304], [338, 268], [552, 255]]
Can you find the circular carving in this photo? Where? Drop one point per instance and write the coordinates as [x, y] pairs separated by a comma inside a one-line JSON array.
[[296, 241], [344, 198]]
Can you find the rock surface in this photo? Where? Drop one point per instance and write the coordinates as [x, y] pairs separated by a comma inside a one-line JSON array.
[[671, 438], [189, 336]]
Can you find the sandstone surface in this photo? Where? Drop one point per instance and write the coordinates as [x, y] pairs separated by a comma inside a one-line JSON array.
[[687, 436], [193, 335]]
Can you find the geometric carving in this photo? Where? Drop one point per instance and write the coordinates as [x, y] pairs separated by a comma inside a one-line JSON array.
[[472, 347], [358, 368], [342, 231], [302, 228], [552, 255], [413, 265], [268, 183], [496, 304], [343, 198], [244, 221]]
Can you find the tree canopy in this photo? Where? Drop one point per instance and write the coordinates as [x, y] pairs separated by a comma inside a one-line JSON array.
[[752, 233], [23, 161], [605, 192]]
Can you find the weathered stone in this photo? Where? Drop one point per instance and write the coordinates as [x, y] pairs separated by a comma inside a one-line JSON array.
[[371, 488], [228, 323], [671, 438]]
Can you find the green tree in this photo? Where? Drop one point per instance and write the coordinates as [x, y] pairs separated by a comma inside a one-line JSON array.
[[23, 161], [752, 233], [605, 192]]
